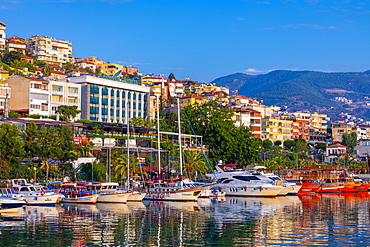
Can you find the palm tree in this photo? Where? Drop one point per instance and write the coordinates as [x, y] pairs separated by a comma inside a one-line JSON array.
[[280, 162], [120, 166], [194, 162]]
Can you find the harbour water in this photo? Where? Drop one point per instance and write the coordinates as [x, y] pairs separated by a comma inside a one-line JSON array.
[[320, 220]]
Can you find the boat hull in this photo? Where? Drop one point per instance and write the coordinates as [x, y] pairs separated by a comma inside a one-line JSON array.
[[165, 194], [113, 198], [136, 196], [90, 199], [43, 200], [252, 191]]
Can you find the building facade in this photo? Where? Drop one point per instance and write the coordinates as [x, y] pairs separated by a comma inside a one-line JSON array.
[[249, 118], [16, 43], [275, 129], [64, 93], [2, 36], [106, 100], [5, 94], [49, 50], [29, 95]]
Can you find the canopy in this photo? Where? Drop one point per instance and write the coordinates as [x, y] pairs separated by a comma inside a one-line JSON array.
[[229, 165]]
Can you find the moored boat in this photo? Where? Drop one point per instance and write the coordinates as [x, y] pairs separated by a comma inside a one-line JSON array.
[[75, 193], [108, 192], [33, 195], [308, 188], [8, 202], [175, 191]]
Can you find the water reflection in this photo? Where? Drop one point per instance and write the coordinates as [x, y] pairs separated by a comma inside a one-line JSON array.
[[325, 219]]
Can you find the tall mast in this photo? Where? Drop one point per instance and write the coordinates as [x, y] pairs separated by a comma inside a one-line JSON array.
[[179, 125], [159, 142], [128, 152]]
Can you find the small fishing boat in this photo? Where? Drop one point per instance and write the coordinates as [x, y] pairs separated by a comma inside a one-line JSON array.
[[77, 193]]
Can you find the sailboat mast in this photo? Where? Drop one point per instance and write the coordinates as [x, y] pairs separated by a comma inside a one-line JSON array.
[[179, 125], [159, 142], [128, 154]]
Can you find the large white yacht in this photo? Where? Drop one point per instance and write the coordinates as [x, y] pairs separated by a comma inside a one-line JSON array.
[[242, 183]]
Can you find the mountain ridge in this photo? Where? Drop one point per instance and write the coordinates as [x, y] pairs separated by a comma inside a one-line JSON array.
[[331, 93]]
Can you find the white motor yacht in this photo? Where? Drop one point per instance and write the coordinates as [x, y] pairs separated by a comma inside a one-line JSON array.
[[243, 183], [33, 195]]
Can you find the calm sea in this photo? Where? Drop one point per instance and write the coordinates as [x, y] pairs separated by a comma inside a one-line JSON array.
[[324, 220]]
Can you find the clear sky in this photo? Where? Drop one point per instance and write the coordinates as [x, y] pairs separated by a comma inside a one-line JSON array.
[[203, 39]]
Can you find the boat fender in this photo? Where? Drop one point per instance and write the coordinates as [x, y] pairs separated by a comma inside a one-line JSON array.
[[42, 192], [162, 196], [245, 188], [157, 196], [260, 188]]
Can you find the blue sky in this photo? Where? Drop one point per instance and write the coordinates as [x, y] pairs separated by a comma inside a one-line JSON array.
[[204, 39]]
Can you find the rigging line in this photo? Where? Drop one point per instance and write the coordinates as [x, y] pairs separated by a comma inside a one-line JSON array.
[[196, 138]]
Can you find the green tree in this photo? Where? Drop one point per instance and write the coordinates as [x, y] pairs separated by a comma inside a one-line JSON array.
[[194, 162], [46, 70], [350, 140], [266, 144], [11, 56], [300, 145], [11, 148], [143, 122], [172, 76], [289, 144], [69, 112], [13, 114], [225, 141], [92, 171], [277, 143]]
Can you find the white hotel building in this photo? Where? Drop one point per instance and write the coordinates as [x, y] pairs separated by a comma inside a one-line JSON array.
[[112, 101]]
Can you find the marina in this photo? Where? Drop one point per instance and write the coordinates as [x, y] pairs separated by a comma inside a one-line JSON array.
[[303, 220]]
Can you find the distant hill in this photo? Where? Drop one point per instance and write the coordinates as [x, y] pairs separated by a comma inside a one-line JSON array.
[[329, 93]]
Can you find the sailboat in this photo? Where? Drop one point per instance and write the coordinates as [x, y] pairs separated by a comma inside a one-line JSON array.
[[135, 196], [176, 190]]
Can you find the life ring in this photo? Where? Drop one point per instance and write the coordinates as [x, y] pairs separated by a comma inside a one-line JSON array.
[[157, 196], [42, 192], [162, 196]]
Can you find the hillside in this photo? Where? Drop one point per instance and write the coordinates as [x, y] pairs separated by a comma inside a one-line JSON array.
[[329, 93]]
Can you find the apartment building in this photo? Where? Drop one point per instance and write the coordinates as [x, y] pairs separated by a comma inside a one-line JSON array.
[[64, 93], [2, 36], [5, 94], [275, 129], [266, 111], [339, 128], [3, 74], [16, 43], [29, 95], [249, 118], [192, 99], [219, 96], [107, 100], [241, 100], [85, 64], [49, 50], [110, 69]]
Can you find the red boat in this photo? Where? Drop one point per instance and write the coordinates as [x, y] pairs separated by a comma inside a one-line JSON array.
[[308, 188]]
